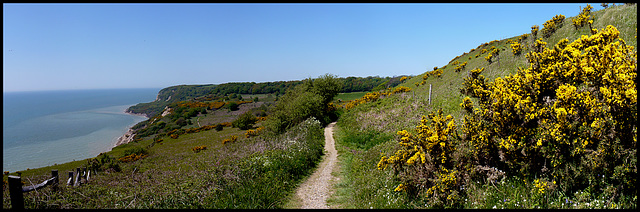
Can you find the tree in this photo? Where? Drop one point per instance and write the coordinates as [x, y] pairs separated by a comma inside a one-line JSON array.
[[309, 99]]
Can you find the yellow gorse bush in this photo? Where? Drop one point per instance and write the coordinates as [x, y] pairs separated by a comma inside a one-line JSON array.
[[373, 96], [197, 149], [437, 72], [516, 48], [434, 139], [583, 17], [233, 138], [574, 103], [431, 146], [401, 89], [132, 157], [250, 133], [552, 25], [460, 66], [570, 116]]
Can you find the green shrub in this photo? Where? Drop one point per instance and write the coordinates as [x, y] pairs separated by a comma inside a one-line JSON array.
[[309, 99], [232, 106], [245, 121]]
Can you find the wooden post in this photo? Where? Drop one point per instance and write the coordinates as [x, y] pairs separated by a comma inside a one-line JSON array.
[[54, 174], [84, 174], [77, 181], [15, 191], [429, 93], [70, 180]]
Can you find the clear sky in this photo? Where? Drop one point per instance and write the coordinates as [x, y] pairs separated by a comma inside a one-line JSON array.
[[99, 46]]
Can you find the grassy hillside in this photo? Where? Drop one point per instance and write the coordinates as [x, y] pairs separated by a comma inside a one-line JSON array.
[[213, 166], [363, 186]]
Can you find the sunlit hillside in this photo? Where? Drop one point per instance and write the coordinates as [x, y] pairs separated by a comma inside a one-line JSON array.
[[380, 122]]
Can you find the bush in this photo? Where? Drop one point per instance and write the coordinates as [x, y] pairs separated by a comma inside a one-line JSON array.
[[232, 106], [309, 99], [233, 138], [245, 121], [583, 17], [562, 119], [103, 162], [425, 159], [219, 127], [181, 122], [552, 25], [567, 122]]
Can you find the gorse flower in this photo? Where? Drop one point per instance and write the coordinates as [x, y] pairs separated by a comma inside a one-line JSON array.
[[540, 185]]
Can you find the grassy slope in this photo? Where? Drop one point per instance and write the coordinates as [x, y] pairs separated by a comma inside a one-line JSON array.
[[173, 176], [363, 186]]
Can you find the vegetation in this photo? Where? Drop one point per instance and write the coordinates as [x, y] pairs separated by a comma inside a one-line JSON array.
[[231, 91], [309, 99], [257, 170], [553, 129], [244, 121], [530, 137]]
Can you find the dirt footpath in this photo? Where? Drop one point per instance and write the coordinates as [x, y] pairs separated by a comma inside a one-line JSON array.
[[315, 191]]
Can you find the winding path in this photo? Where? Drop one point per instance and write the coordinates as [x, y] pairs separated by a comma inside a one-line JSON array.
[[315, 191]]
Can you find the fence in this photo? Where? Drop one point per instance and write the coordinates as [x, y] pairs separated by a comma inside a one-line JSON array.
[[16, 189]]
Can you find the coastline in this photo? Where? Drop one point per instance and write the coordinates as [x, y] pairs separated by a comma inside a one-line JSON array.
[[128, 136]]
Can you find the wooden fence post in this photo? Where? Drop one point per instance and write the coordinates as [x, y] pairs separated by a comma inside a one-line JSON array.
[[77, 181], [429, 93], [70, 180], [15, 191], [54, 173], [84, 174]]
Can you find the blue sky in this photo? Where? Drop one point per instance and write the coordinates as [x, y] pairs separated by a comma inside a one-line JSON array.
[[101, 46]]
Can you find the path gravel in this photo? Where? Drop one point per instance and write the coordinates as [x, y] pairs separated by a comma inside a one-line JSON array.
[[315, 191]]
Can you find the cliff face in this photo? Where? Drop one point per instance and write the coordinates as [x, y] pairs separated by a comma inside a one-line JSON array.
[[126, 138]]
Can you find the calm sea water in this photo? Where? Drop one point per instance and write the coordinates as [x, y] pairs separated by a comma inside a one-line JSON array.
[[48, 127]]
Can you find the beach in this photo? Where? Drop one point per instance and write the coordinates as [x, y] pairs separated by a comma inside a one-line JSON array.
[[128, 136]]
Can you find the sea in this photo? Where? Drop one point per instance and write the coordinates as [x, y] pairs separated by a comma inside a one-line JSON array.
[[43, 128]]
